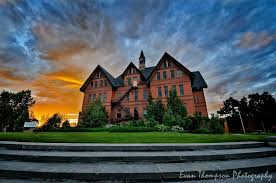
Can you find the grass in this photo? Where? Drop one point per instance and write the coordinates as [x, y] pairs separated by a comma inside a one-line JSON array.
[[126, 137]]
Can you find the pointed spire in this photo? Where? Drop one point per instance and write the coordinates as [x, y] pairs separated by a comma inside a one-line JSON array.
[[142, 61], [142, 55]]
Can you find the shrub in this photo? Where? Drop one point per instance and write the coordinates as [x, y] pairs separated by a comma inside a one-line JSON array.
[[94, 116], [155, 110], [169, 119], [130, 129], [151, 122], [161, 128], [184, 122], [201, 130], [135, 123], [177, 129], [216, 125], [79, 130]]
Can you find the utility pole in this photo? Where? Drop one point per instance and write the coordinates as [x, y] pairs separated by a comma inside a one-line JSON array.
[[241, 119]]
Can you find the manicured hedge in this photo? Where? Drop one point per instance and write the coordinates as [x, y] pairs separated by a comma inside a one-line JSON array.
[[79, 130], [130, 129]]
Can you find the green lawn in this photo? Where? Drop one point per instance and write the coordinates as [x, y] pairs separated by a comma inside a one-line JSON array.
[[126, 137]]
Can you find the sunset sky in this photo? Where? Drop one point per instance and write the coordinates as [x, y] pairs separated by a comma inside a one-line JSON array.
[[51, 46]]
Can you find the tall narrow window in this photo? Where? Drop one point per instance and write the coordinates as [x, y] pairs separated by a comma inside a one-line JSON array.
[[135, 95], [145, 94], [104, 97], [101, 83], [159, 92], [105, 82], [129, 81], [135, 113], [164, 75], [172, 73], [94, 97], [127, 96], [166, 91], [158, 76], [91, 84], [89, 98], [181, 89], [96, 84]]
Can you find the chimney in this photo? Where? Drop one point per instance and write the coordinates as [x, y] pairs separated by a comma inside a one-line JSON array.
[[142, 61]]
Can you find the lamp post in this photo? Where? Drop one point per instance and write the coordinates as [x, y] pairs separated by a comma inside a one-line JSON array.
[[237, 108]]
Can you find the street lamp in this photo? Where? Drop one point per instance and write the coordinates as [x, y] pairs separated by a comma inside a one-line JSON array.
[[237, 108]]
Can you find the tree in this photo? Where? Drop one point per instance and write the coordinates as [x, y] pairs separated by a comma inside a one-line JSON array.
[[52, 123], [229, 107], [155, 110], [14, 109], [175, 105], [66, 124], [262, 108], [256, 107], [94, 116]]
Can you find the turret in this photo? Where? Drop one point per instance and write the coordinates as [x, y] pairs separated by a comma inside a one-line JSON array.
[[142, 61]]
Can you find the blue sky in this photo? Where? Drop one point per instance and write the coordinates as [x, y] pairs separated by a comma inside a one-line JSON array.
[[52, 46]]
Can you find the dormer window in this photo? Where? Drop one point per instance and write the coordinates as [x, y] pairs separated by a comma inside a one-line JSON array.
[[166, 63]]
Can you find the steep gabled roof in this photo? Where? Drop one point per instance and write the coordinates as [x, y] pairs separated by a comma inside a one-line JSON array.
[[132, 65], [197, 81], [196, 78], [110, 78], [168, 56]]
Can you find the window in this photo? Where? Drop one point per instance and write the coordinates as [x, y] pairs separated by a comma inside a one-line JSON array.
[[135, 95], [158, 75], [173, 87], [135, 113], [166, 64], [127, 96], [164, 74], [159, 92], [196, 99], [145, 94], [96, 84], [104, 97], [179, 73], [91, 84], [166, 91], [94, 97], [172, 73], [105, 82], [181, 89], [100, 97], [119, 115], [101, 83], [129, 81], [89, 98]]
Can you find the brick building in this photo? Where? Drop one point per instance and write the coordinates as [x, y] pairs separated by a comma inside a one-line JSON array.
[[126, 96]]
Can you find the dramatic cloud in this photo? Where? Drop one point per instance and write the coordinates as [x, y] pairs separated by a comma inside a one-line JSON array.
[[51, 47]]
